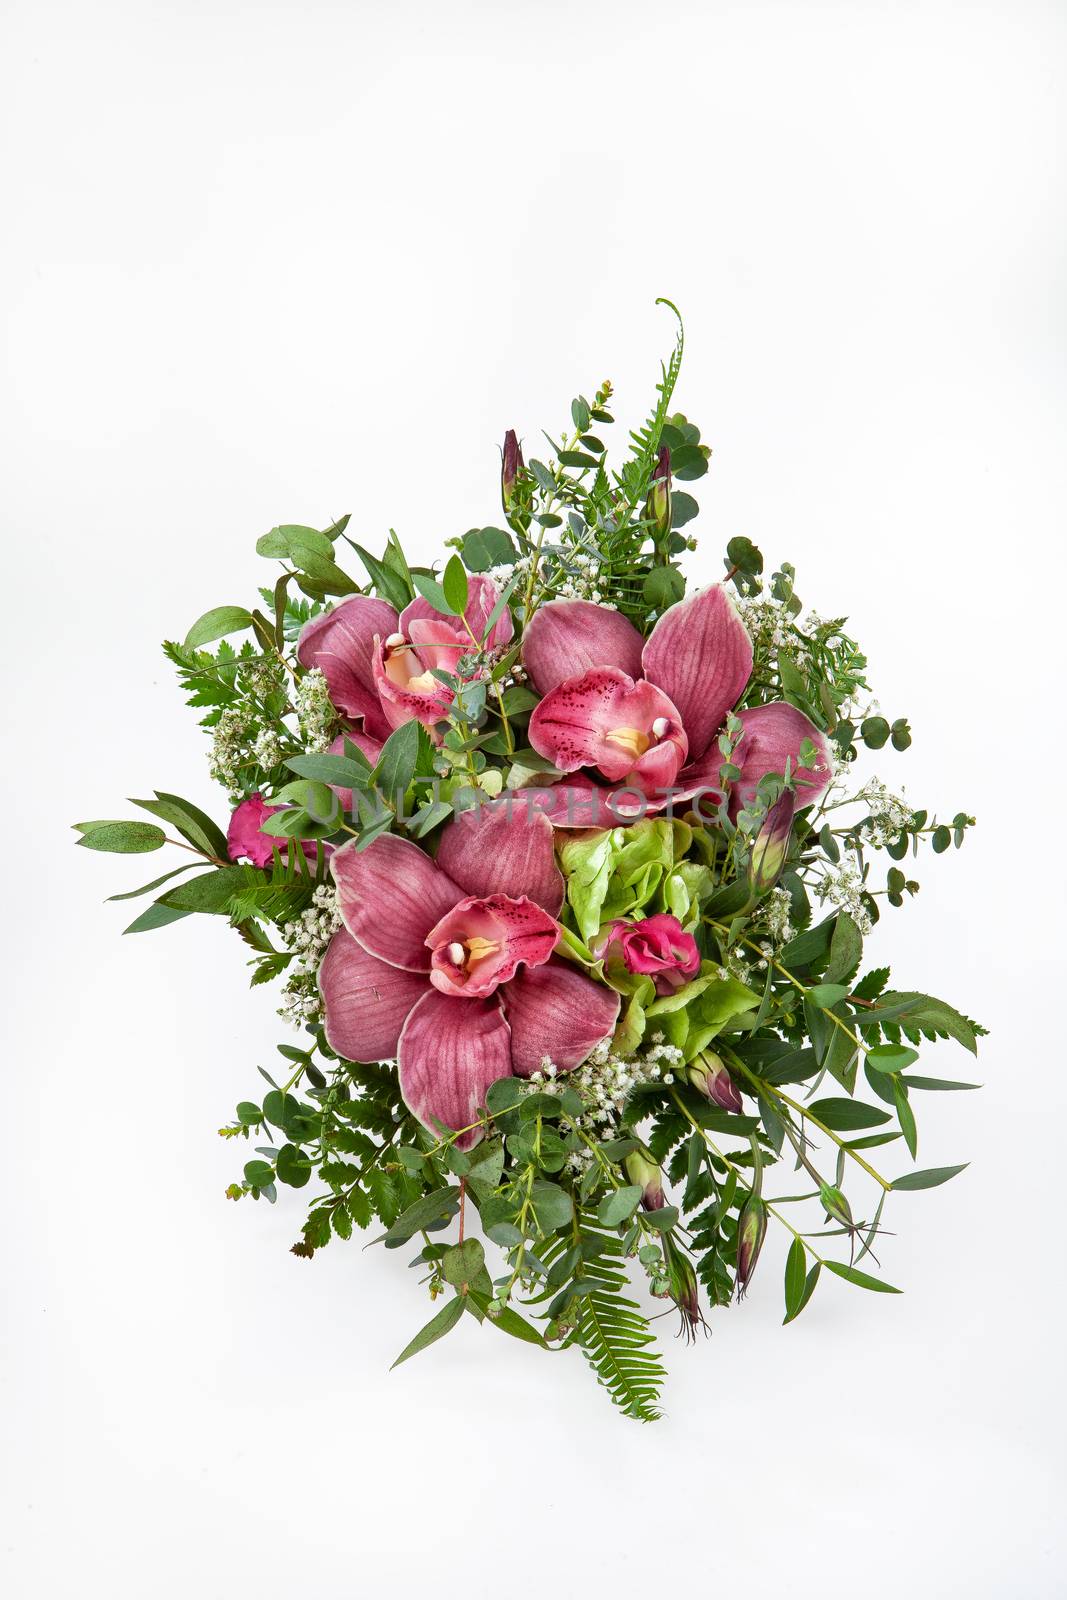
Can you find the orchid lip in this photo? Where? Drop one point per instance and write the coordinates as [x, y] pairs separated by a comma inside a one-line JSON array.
[[632, 740]]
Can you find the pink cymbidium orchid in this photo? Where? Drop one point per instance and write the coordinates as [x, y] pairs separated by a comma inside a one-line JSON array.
[[437, 967], [646, 714], [379, 665]]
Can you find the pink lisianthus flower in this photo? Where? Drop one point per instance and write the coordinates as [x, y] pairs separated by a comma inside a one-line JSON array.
[[449, 965], [246, 841], [379, 664], [645, 715], [656, 947]]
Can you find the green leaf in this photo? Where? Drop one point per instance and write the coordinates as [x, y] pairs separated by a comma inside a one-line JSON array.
[[157, 916], [433, 593], [399, 758], [454, 585], [346, 772], [146, 888], [930, 1017], [294, 1168], [662, 587], [463, 1262], [388, 583], [435, 1329], [846, 951], [891, 1057], [216, 624], [210, 891], [259, 1173], [429, 1209], [507, 1320], [844, 1115], [929, 1177], [552, 1206], [796, 1263], [939, 1083], [619, 1205], [194, 825], [483, 548], [122, 838], [827, 994], [906, 1118], [809, 1289], [862, 1280]]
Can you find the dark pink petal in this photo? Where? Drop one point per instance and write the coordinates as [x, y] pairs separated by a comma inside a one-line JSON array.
[[773, 735], [567, 637], [439, 644], [371, 748], [450, 1052], [243, 836], [390, 895], [556, 1011], [504, 842], [340, 642], [700, 655], [366, 1001], [581, 803], [606, 720], [482, 596], [479, 944]]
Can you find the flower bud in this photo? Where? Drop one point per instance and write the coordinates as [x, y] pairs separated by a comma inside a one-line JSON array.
[[640, 1168], [683, 1288], [658, 501], [510, 468], [751, 1232], [708, 1075], [772, 843]]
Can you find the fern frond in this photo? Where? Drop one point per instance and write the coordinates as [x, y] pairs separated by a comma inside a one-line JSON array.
[[614, 1333]]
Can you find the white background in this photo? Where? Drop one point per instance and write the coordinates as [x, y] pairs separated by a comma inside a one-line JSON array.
[[273, 262]]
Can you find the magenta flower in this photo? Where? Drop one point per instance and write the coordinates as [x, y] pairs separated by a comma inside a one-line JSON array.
[[379, 666], [646, 715], [657, 946], [245, 839], [457, 980]]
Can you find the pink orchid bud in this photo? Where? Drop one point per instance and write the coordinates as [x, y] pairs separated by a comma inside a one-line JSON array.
[[510, 468], [751, 1232], [655, 946], [641, 1169], [658, 502], [708, 1074], [772, 843], [683, 1288], [244, 837]]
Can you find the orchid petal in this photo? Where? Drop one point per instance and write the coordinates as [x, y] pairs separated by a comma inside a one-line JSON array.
[[504, 842], [772, 736], [365, 1001], [390, 895], [482, 596], [605, 719], [581, 803], [450, 1051], [558, 1013], [340, 643], [566, 637], [480, 943], [700, 655]]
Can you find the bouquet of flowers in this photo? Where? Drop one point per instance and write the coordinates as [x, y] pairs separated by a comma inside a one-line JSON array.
[[561, 865]]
